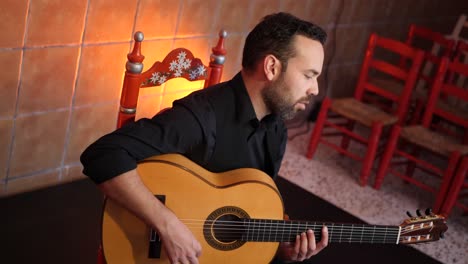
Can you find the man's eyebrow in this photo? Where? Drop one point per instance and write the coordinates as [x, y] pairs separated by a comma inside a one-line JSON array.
[[313, 71]]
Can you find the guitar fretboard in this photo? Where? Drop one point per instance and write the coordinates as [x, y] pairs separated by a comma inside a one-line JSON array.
[[265, 230]]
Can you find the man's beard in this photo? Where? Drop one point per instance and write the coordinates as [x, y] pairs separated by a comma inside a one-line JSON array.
[[278, 100]]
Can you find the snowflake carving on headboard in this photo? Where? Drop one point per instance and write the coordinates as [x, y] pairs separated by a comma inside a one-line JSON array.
[[181, 65]]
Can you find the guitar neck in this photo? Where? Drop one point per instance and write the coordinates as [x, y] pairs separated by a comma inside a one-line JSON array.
[[266, 230]]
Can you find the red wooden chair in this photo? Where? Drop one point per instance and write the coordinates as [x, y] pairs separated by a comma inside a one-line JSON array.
[[355, 110], [421, 38], [425, 38], [425, 138], [455, 194], [179, 63]]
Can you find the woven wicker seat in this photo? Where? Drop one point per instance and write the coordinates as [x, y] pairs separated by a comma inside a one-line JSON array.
[[433, 141], [361, 112]]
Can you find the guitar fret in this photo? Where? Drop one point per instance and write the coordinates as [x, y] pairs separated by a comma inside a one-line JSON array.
[[297, 230], [385, 235], [373, 234], [362, 234], [243, 233], [271, 230], [248, 229], [261, 231], [264, 230], [282, 230], [290, 231], [341, 231], [254, 228], [276, 232]]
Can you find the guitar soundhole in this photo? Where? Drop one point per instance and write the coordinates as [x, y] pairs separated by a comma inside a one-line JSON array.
[[224, 228], [227, 228]]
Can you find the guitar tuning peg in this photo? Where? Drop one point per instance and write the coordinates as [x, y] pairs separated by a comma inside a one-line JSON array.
[[409, 214], [418, 212], [428, 211]]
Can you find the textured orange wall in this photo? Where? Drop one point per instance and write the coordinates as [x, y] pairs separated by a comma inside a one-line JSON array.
[[62, 63]]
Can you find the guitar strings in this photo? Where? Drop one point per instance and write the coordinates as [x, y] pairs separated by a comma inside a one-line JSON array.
[[354, 233], [194, 222], [347, 232]]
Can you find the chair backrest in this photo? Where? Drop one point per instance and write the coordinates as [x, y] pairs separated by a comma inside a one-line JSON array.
[[425, 38], [461, 51], [460, 26], [179, 63], [461, 55], [442, 87], [406, 76]]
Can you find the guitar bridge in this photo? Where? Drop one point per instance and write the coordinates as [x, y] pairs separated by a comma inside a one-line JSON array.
[[155, 245]]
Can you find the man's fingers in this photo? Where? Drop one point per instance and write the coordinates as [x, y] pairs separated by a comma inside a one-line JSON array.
[[193, 260], [324, 241], [198, 249], [303, 248], [311, 246]]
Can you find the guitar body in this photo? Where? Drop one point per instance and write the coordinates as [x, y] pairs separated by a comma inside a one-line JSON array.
[[195, 195]]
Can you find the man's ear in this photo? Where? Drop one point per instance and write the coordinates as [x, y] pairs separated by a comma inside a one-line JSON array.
[[271, 67]]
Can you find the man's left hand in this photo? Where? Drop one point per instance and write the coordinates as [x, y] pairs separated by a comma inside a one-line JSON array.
[[304, 247]]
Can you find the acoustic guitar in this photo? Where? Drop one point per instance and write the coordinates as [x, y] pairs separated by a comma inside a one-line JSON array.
[[237, 216]]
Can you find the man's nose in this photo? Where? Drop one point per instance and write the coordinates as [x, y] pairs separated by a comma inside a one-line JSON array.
[[313, 90]]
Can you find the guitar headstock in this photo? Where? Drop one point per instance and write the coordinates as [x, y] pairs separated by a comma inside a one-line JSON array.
[[420, 229]]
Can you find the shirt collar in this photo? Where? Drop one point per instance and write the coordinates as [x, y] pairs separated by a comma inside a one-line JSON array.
[[245, 111]]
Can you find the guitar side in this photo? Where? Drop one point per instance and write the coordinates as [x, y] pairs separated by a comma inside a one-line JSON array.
[[194, 194]]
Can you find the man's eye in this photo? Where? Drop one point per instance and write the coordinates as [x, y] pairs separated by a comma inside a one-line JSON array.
[[307, 77]]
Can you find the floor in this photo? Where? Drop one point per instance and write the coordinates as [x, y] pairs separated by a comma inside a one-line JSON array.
[[334, 177]]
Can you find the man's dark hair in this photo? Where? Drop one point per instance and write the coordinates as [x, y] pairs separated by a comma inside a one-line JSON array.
[[274, 35]]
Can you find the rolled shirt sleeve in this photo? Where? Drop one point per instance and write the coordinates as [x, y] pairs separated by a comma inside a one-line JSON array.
[[175, 130]]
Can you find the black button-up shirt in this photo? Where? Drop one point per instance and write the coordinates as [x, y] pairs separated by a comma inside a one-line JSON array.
[[215, 127]]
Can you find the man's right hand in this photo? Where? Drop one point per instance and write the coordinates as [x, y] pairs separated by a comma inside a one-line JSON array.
[[179, 242]]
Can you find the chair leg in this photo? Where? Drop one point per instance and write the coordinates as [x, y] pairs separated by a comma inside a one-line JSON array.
[[370, 154], [346, 139], [387, 156], [411, 164], [456, 186], [319, 124], [465, 137], [417, 114], [100, 256], [446, 182]]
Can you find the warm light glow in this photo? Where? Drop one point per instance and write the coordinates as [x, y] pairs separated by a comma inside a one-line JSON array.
[[181, 84], [178, 88]]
